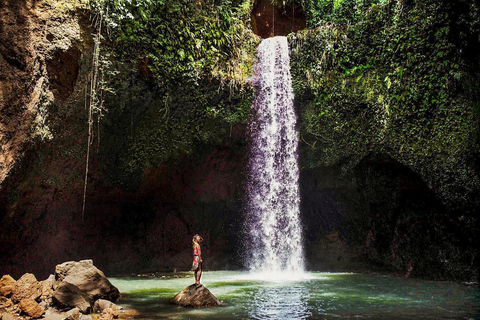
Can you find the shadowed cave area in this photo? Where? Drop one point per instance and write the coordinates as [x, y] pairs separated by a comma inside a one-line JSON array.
[[269, 19], [383, 210], [382, 214]]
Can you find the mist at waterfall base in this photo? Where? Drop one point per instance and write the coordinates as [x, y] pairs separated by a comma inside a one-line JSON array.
[[274, 240]]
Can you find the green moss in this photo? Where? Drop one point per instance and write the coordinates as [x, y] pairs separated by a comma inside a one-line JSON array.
[[147, 126], [391, 80], [181, 42], [194, 58], [397, 81]]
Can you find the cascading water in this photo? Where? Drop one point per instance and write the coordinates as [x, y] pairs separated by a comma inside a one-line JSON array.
[[273, 221]]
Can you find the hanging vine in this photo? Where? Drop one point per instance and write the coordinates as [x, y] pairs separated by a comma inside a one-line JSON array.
[[94, 97]]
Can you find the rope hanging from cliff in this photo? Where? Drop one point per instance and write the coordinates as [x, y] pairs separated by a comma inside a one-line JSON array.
[[91, 104]]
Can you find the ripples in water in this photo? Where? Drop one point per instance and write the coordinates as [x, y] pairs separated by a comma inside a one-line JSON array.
[[316, 296]]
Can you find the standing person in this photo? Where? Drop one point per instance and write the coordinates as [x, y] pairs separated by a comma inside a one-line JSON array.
[[197, 258]]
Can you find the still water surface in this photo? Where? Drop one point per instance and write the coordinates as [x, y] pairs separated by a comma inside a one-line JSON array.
[[313, 296]]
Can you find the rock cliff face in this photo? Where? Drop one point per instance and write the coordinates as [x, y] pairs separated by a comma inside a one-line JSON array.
[[382, 215], [41, 47], [390, 144], [146, 230], [269, 19], [39, 53], [145, 223], [377, 212]]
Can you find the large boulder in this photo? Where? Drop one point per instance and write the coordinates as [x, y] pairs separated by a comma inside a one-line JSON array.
[[195, 295], [67, 295], [80, 284], [6, 285], [31, 308], [27, 287]]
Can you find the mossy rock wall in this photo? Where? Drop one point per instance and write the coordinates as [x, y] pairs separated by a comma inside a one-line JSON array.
[[386, 93], [387, 98], [165, 158]]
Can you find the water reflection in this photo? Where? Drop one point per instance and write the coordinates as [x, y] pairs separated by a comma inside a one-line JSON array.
[[280, 301], [318, 296]]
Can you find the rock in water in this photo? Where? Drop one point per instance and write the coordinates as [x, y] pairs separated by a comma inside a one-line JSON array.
[[195, 295]]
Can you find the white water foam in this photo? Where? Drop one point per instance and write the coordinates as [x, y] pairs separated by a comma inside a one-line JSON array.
[[273, 206], [276, 277]]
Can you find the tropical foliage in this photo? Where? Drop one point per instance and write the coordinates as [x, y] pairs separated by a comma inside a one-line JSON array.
[[397, 82], [180, 71], [393, 78], [181, 41]]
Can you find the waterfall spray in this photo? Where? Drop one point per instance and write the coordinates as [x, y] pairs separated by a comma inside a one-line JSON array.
[[273, 204]]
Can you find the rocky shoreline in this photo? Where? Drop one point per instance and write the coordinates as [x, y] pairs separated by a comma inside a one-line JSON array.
[[76, 291]]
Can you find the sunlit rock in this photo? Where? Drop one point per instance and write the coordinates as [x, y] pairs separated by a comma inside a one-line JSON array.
[[46, 288], [88, 279], [27, 287], [7, 316], [108, 314], [196, 296], [31, 308], [100, 305], [6, 285], [73, 314]]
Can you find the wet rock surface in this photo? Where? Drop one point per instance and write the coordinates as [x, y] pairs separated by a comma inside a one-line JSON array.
[[269, 19], [196, 296]]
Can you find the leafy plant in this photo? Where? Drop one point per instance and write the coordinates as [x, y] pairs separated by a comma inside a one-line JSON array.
[[392, 83], [182, 80]]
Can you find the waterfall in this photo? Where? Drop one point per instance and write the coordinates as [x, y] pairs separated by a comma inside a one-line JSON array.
[[273, 199]]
